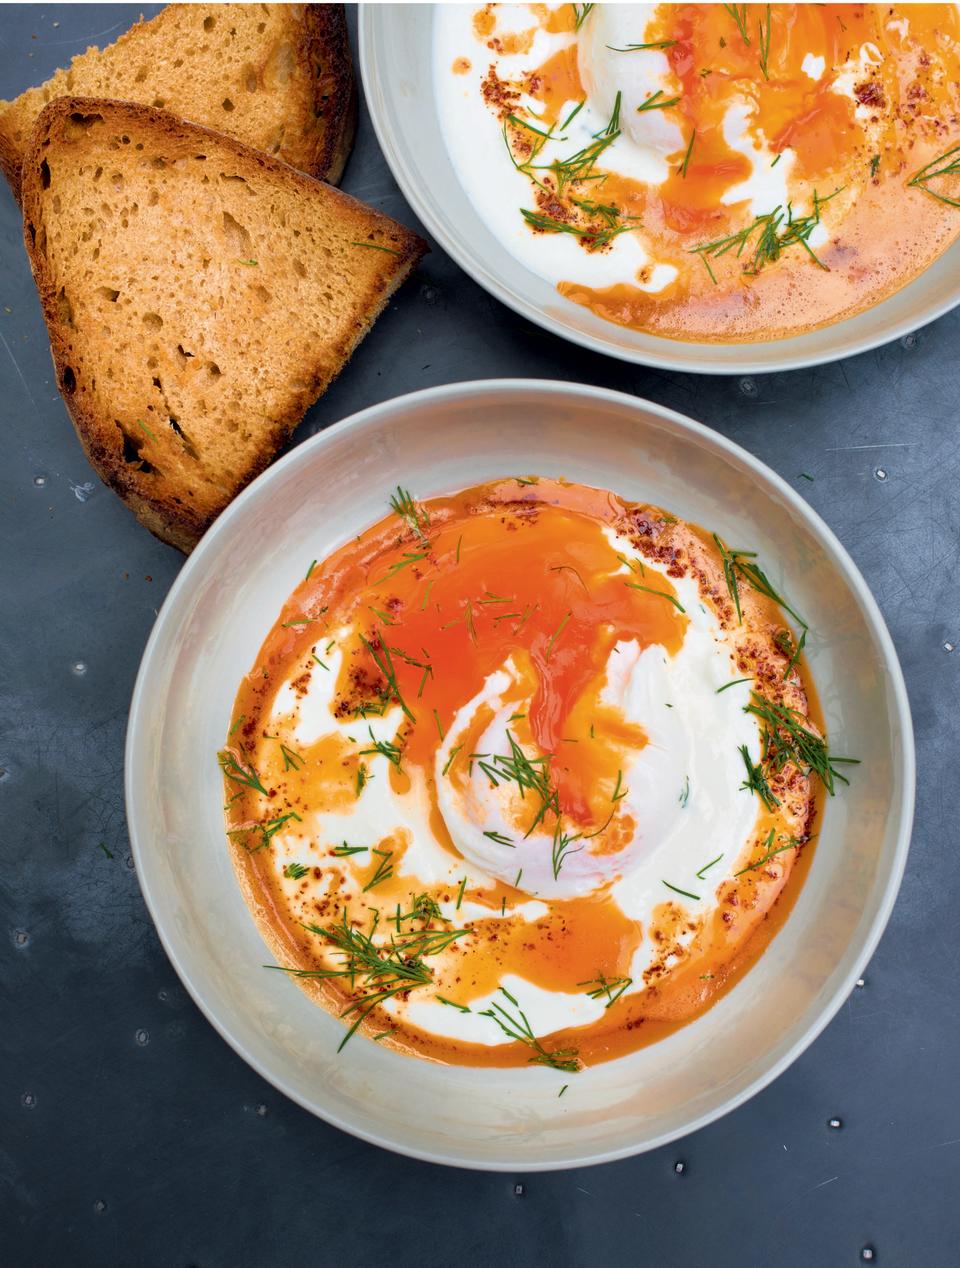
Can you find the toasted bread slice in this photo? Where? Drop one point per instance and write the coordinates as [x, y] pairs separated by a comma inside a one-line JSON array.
[[276, 76], [199, 295]]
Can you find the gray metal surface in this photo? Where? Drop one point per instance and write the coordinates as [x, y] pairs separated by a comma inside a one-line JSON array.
[[130, 1134]]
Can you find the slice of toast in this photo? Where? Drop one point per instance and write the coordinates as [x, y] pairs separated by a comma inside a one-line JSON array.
[[276, 76], [199, 296]]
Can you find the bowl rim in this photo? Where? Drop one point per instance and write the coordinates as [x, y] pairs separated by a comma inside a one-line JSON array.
[[474, 267], [142, 837]]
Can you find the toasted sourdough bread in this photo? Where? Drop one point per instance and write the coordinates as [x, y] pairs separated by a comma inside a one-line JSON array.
[[276, 76], [199, 295]]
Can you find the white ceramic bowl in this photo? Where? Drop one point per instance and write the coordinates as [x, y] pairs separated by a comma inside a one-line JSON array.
[[207, 636], [396, 63]]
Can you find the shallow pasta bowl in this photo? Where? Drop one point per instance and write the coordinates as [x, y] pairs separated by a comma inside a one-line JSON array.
[[396, 61], [208, 634]]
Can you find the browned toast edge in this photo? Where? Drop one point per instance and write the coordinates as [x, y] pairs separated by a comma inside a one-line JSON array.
[[176, 525], [335, 87], [325, 49]]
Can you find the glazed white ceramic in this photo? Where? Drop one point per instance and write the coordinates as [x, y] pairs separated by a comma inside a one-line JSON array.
[[207, 636], [396, 63]]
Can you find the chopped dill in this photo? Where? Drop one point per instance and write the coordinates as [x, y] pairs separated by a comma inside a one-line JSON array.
[[519, 1029], [685, 892], [635, 585], [612, 987], [756, 781]]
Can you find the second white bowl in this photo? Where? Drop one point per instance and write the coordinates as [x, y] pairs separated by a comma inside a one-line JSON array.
[[396, 63]]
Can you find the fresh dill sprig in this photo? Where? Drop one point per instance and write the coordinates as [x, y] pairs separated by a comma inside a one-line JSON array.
[[739, 14], [946, 164], [408, 558], [756, 781], [570, 568], [727, 685], [375, 246], [636, 48], [792, 843], [686, 158], [295, 871], [238, 773], [416, 518], [442, 999], [707, 866], [592, 236], [268, 830], [577, 167], [619, 792], [392, 752], [764, 52], [382, 616], [739, 564], [384, 869], [555, 635], [384, 662], [528, 773], [499, 838], [522, 123], [342, 851], [777, 230], [412, 660], [449, 762], [787, 741], [519, 1029], [381, 971], [659, 101], [611, 987], [634, 565], [580, 12], [635, 585], [685, 892], [568, 120], [422, 908], [784, 640], [291, 760], [562, 846]]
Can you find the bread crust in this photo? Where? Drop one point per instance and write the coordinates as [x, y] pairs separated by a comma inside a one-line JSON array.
[[171, 516], [327, 46], [325, 128]]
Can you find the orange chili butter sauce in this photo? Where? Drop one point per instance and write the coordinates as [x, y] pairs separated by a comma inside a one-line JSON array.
[[452, 590]]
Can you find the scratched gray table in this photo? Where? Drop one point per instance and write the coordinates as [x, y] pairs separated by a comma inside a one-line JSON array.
[[131, 1134]]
